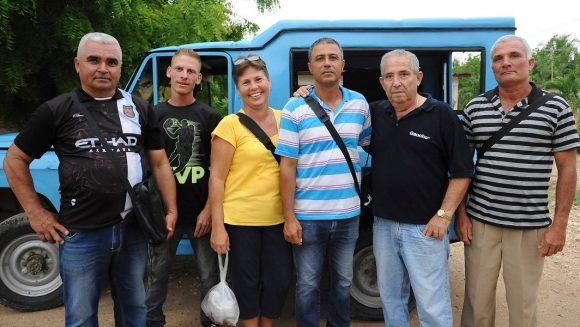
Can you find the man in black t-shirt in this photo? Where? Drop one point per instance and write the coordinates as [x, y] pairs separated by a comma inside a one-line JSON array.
[[186, 125], [422, 163], [98, 238]]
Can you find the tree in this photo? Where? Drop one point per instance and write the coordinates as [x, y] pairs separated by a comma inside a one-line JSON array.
[[38, 39], [557, 65], [469, 83]]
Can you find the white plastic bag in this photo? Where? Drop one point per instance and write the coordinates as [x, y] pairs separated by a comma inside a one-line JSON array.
[[220, 303]]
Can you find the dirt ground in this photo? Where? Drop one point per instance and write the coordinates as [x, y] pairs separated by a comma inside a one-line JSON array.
[[559, 294]]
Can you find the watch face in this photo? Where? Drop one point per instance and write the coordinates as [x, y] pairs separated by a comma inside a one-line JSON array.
[[442, 214]]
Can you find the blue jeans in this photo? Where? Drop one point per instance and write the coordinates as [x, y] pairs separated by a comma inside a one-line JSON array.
[[161, 258], [118, 252], [337, 239], [405, 257]]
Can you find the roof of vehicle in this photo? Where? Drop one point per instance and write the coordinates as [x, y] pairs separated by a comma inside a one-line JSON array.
[[360, 24]]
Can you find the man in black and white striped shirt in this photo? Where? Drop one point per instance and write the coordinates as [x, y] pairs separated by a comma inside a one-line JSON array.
[[506, 219]]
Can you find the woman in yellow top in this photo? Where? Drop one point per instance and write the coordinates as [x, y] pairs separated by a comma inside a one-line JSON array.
[[246, 207]]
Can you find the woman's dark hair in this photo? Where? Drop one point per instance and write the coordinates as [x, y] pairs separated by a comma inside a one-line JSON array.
[[244, 62]]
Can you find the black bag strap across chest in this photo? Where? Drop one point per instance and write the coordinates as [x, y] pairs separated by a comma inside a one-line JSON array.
[[536, 102], [259, 133], [323, 116]]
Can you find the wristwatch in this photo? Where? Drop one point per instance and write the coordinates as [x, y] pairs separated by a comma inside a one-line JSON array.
[[443, 214]]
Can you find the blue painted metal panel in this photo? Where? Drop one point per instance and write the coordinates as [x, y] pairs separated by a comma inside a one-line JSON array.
[[275, 44]]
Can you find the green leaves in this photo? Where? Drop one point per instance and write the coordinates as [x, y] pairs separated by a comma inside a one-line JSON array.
[[469, 84], [38, 39], [557, 67]]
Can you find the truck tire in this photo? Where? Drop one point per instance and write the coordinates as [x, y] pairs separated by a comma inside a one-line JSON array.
[[365, 301], [29, 273]]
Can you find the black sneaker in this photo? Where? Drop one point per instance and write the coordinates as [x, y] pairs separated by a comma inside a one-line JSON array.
[[208, 324]]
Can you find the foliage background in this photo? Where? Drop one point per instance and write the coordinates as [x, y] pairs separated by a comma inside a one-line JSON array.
[[39, 38], [557, 70], [38, 41]]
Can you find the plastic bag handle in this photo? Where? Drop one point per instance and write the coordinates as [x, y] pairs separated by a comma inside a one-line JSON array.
[[223, 267]]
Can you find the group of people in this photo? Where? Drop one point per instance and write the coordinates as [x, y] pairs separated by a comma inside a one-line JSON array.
[[280, 196]]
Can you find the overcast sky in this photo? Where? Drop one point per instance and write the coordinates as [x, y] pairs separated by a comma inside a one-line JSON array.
[[537, 21]]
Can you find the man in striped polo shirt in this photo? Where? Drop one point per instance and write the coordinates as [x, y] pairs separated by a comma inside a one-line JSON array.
[[506, 220], [320, 203]]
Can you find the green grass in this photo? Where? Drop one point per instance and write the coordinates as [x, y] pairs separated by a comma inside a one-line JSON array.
[[554, 179], [552, 196], [577, 198]]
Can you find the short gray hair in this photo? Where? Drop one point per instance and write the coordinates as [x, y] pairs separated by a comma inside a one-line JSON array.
[[99, 38], [511, 37], [324, 40], [402, 53]]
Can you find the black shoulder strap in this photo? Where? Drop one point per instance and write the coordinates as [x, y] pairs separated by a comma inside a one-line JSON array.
[[512, 123], [259, 133], [108, 149], [321, 114]]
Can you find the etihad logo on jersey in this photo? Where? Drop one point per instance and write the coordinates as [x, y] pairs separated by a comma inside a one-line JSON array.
[[120, 144], [421, 136]]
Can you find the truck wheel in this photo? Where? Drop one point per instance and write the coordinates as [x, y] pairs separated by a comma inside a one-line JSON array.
[[365, 301], [29, 273]]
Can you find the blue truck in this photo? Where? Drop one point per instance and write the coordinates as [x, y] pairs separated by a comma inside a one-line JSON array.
[[29, 276]]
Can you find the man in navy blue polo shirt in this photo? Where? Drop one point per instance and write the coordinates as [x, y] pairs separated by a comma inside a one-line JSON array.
[[422, 161]]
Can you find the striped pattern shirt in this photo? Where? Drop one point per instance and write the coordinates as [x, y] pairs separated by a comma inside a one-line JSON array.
[[324, 184], [510, 188]]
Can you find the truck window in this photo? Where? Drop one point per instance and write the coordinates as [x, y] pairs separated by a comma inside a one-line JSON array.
[[214, 86], [144, 87], [467, 81], [362, 72]]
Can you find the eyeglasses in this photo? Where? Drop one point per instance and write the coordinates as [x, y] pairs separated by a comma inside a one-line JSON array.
[[244, 59]]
